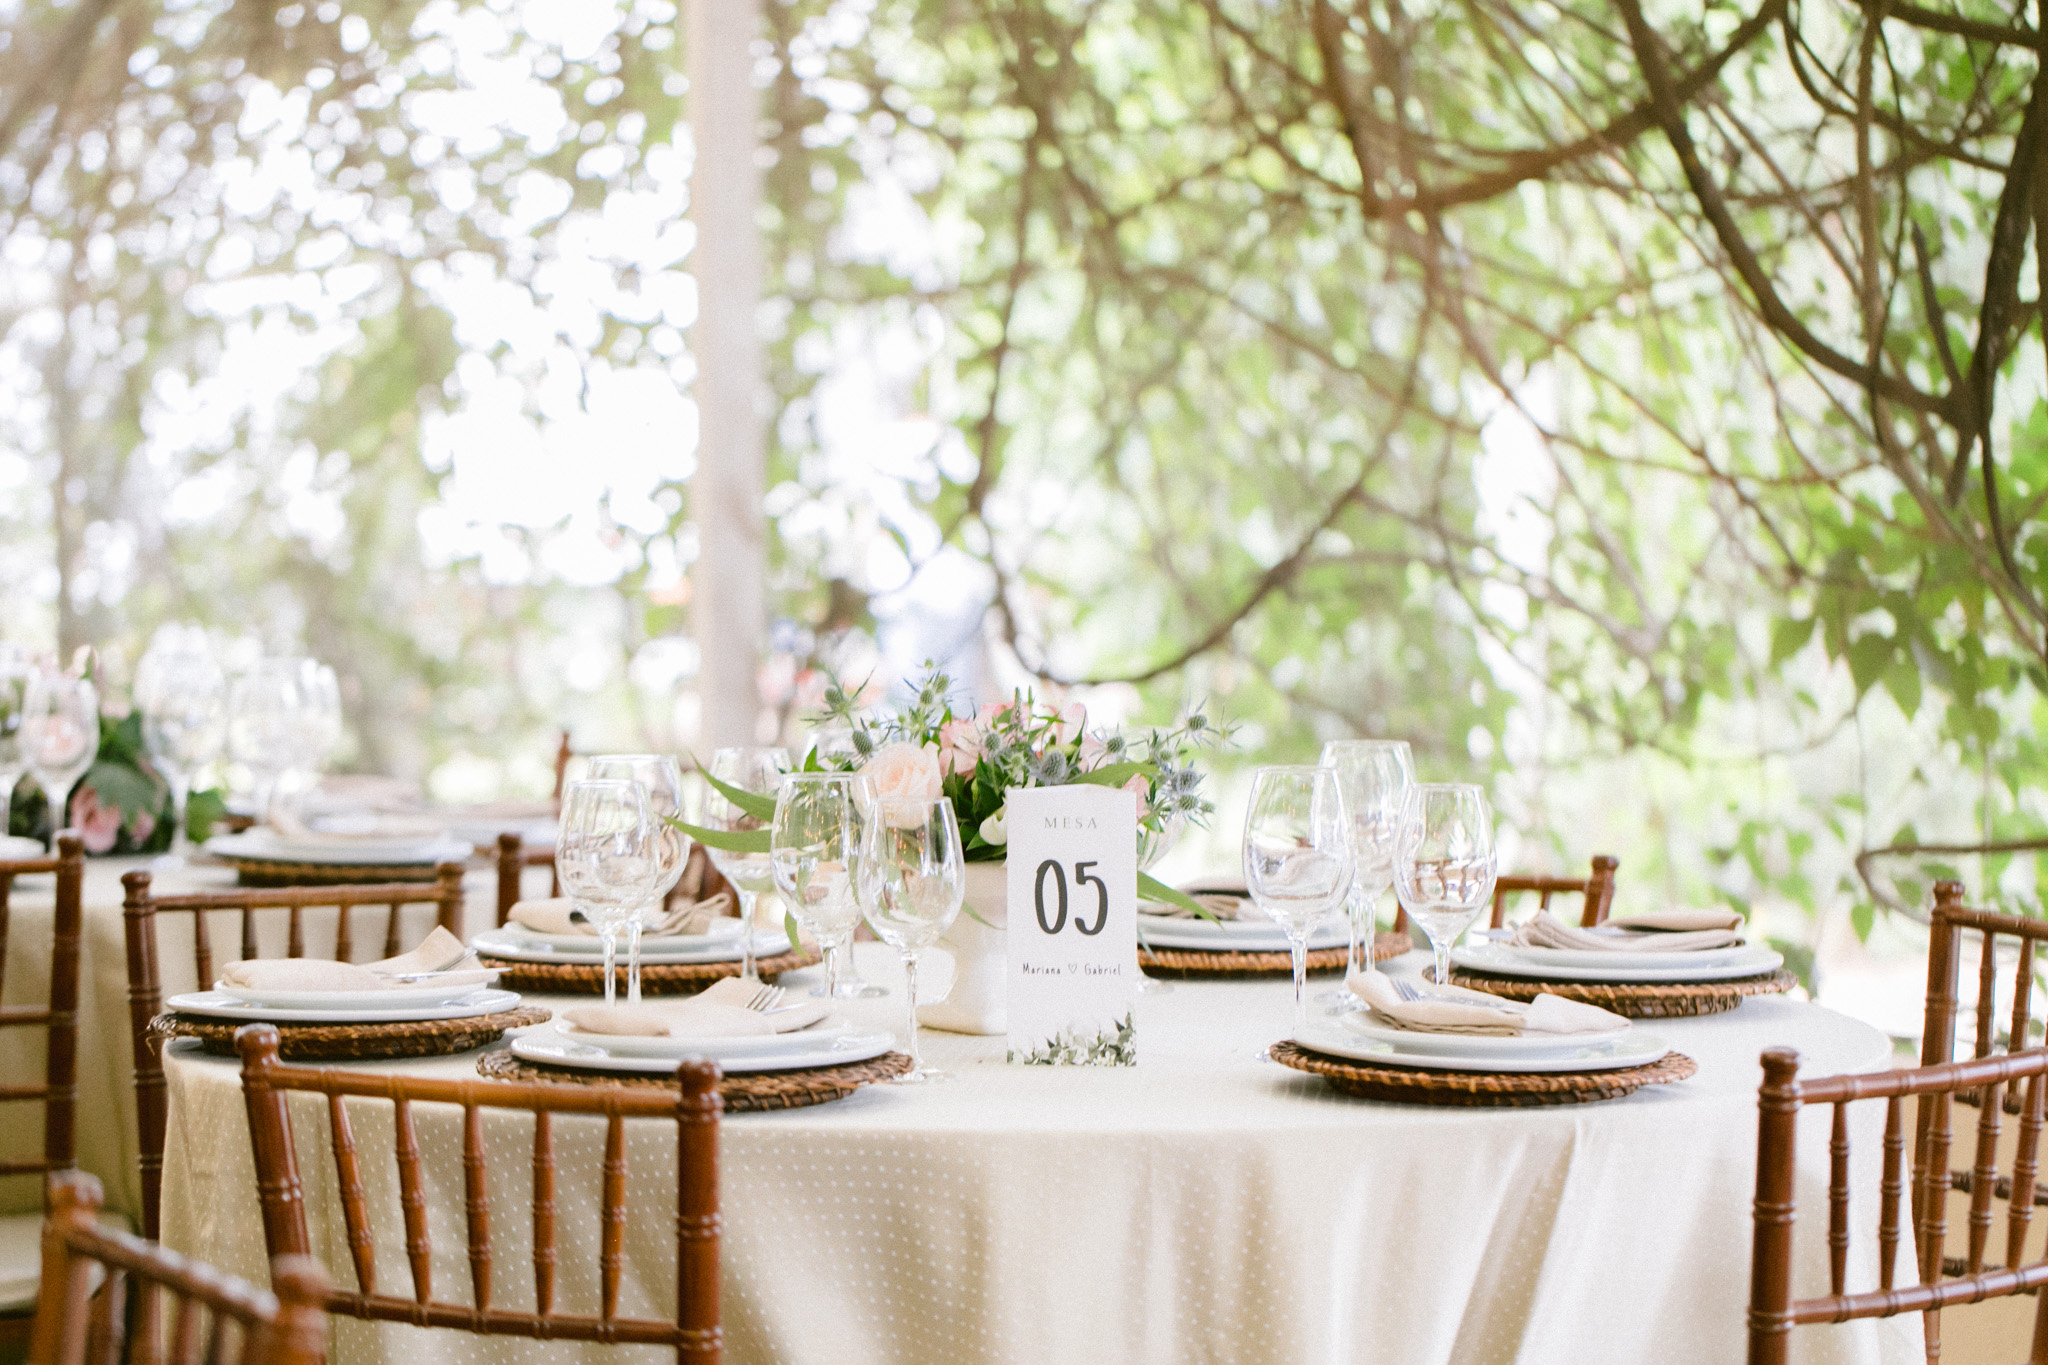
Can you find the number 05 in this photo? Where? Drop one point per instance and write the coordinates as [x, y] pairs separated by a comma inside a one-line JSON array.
[[1081, 879]]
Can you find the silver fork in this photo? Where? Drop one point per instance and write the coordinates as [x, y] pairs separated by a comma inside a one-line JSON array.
[[766, 998], [1406, 989]]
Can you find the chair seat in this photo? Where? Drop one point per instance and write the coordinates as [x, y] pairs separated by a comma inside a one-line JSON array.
[[21, 1256]]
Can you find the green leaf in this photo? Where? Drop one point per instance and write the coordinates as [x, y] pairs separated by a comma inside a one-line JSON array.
[[796, 943], [731, 840], [749, 803], [1152, 889], [1788, 637], [1869, 655], [1862, 916], [1902, 680], [203, 810], [1116, 774]]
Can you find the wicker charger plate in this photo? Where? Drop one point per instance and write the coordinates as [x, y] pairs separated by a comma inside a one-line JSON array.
[[1480, 1089], [656, 978], [356, 1042], [743, 1093], [1196, 962], [1638, 1001], [269, 872]]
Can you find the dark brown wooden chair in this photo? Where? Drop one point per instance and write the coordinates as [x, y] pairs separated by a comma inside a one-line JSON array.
[[1943, 1282], [215, 1318], [513, 858], [1597, 889], [145, 991], [693, 1108], [20, 1258], [1945, 953]]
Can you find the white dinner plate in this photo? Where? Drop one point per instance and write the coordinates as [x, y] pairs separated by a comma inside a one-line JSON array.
[[547, 1046], [16, 848], [398, 997], [1476, 1045], [1581, 957], [1258, 938], [519, 946], [219, 1006], [261, 845], [1632, 1049], [821, 1034], [1501, 960]]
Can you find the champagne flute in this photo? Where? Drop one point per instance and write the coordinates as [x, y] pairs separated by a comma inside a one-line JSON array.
[[1297, 857], [1374, 776], [662, 780], [1444, 863], [60, 735], [609, 856], [182, 694], [911, 878], [751, 770], [814, 846]]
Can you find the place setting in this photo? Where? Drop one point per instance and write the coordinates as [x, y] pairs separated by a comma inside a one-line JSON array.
[[620, 851], [1424, 1043], [435, 1000]]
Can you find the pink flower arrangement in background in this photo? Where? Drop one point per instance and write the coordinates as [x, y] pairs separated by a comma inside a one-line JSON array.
[[98, 826]]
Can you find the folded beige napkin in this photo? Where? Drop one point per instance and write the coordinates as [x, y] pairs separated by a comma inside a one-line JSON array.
[[1680, 921], [1454, 1009], [720, 1011], [1545, 930], [1223, 897], [557, 915], [438, 954]]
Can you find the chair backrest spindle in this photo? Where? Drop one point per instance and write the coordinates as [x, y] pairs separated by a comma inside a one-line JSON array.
[[1597, 888]]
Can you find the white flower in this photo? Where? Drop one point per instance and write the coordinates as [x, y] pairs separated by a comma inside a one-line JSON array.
[[994, 831], [905, 780]]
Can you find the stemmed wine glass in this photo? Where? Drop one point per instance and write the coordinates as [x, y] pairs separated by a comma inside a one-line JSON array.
[[751, 770], [910, 881], [15, 672], [662, 780], [1374, 776], [182, 694], [1444, 863], [319, 718], [608, 854], [265, 723], [1153, 845], [1297, 857], [814, 845], [60, 735]]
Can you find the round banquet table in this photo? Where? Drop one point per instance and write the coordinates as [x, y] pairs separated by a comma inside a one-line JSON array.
[[1202, 1206]]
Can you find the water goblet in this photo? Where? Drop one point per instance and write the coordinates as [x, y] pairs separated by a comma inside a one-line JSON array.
[[662, 780], [60, 735], [814, 846], [910, 881], [1444, 863], [757, 771], [1374, 776], [608, 855], [1297, 857], [182, 695]]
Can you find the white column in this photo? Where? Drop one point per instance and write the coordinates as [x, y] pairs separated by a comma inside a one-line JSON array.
[[728, 611]]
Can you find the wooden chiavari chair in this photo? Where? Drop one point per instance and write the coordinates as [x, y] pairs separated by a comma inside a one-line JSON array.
[[1597, 889], [693, 1108], [513, 858], [57, 1094], [1942, 1283], [215, 1318], [1945, 954], [140, 910]]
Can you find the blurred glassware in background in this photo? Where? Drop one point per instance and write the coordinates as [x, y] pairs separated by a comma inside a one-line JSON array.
[[758, 771], [182, 695], [662, 780], [60, 734], [609, 857], [1374, 776], [266, 724], [15, 670]]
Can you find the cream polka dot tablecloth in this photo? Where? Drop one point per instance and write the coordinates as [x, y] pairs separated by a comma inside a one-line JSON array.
[[1204, 1206]]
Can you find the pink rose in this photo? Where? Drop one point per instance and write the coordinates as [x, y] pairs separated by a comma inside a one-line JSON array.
[[959, 746], [905, 778], [1069, 720], [991, 713], [1141, 787], [98, 826]]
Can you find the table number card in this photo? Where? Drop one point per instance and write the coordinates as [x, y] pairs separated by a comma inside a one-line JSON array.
[[1073, 932]]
